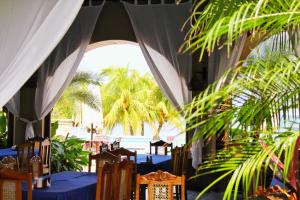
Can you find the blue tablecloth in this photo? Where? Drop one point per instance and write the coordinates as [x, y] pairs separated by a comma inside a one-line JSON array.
[[7, 152], [159, 162], [156, 159], [10, 152], [66, 186]]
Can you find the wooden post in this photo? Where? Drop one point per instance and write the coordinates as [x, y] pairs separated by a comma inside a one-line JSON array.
[[92, 134]]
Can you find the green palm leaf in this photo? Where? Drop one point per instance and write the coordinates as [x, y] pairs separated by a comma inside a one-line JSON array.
[[217, 22], [264, 104]]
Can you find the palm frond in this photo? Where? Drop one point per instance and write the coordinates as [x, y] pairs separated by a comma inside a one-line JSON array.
[[86, 78], [262, 102], [87, 98], [215, 23]]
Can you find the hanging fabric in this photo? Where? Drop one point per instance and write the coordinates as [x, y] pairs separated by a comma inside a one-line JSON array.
[[218, 62], [30, 30], [158, 29], [60, 67], [220, 59], [294, 36]]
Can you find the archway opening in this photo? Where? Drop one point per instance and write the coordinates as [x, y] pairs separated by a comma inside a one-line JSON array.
[[126, 83]]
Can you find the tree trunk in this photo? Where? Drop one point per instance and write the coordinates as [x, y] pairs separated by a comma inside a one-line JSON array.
[[131, 131], [143, 129], [156, 136]]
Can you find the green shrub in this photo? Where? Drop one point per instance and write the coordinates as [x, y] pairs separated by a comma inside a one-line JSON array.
[[68, 154], [3, 132]]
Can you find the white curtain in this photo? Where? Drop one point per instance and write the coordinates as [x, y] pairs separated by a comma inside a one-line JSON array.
[[29, 31], [220, 59], [60, 67], [158, 29], [218, 62], [295, 40]]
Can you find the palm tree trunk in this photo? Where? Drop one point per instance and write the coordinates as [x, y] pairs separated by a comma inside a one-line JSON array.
[[143, 129], [156, 136], [131, 131]]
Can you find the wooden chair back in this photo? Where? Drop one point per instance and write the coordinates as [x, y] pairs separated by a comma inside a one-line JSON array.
[[101, 159], [37, 140], [103, 147], [179, 159], [163, 144], [160, 185], [9, 162], [114, 181], [176, 161], [107, 181], [25, 152], [11, 184], [185, 150], [115, 145], [36, 167], [45, 154], [125, 152], [125, 174]]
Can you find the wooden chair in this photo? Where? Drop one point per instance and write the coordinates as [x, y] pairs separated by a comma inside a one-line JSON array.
[[178, 164], [44, 151], [25, 152], [45, 154], [160, 185], [103, 147], [37, 140], [160, 143], [176, 161], [36, 167], [11, 184], [115, 145], [107, 181], [185, 157], [9, 162], [114, 181], [101, 159], [125, 174], [125, 152]]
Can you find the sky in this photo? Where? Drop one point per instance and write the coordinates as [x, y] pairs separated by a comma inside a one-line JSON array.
[[119, 55]]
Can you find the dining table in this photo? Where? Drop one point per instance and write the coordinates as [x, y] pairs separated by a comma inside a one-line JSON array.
[[65, 186], [12, 152], [82, 185], [153, 163], [7, 152], [162, 162]]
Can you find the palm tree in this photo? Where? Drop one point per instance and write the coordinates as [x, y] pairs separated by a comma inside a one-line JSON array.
[[77, 92], [123, 100], [132, 99], [264, 109], [217, 22], [258, 100], [162, 111]]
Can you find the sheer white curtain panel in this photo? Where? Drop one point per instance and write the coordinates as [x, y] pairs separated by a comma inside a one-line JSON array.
[[30, 30], [221, 59], [294, 36], [159, 32], [218, 62], [59, 68]]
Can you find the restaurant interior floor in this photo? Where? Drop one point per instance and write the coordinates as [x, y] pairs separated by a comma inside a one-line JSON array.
[[191, 195]]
